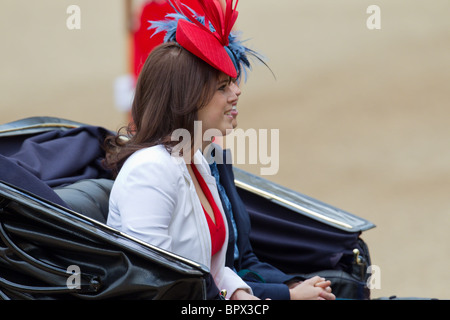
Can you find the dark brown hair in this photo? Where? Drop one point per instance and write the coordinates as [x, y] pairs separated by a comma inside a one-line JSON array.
[[172, 86]]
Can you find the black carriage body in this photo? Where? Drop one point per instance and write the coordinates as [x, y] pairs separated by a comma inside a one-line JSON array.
[[55, 244]]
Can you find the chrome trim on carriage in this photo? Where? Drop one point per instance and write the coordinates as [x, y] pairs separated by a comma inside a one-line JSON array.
[[300, 203]]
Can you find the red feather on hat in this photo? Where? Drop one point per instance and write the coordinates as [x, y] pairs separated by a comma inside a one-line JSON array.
[[201, 41]]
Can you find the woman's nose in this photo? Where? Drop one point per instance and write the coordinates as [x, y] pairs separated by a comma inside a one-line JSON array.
[[235, 88]]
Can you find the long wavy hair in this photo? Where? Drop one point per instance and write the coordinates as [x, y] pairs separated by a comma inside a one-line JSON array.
[[172, 86]]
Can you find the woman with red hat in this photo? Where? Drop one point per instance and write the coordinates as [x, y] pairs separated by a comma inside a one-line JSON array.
[[164, 193]]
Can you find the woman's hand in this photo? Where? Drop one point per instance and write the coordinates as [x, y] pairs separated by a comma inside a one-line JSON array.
[[315, 288], [241, 294]]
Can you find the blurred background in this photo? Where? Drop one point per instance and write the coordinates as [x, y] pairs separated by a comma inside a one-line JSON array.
[[363, 115]]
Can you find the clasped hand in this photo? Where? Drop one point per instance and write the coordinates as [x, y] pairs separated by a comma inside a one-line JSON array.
[[315, 288]]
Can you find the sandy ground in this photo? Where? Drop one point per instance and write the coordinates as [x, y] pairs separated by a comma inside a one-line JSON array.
[[362, 114]]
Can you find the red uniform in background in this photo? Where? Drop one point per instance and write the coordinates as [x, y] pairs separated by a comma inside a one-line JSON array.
[[143, 42]]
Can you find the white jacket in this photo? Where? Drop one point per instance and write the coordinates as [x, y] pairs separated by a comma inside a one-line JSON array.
[[154, 199]]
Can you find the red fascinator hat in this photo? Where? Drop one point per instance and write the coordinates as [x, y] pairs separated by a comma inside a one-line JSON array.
[[205, 46], [208, 37]]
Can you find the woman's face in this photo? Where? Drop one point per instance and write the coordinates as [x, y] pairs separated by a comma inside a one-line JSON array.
[[221, 112]]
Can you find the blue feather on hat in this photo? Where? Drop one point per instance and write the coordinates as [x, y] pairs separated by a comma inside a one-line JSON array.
[[236, 50]]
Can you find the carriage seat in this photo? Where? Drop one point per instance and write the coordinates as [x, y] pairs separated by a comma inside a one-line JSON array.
[[90, 197]]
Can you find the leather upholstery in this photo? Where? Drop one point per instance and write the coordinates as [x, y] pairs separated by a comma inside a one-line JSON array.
[[89, 197]]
